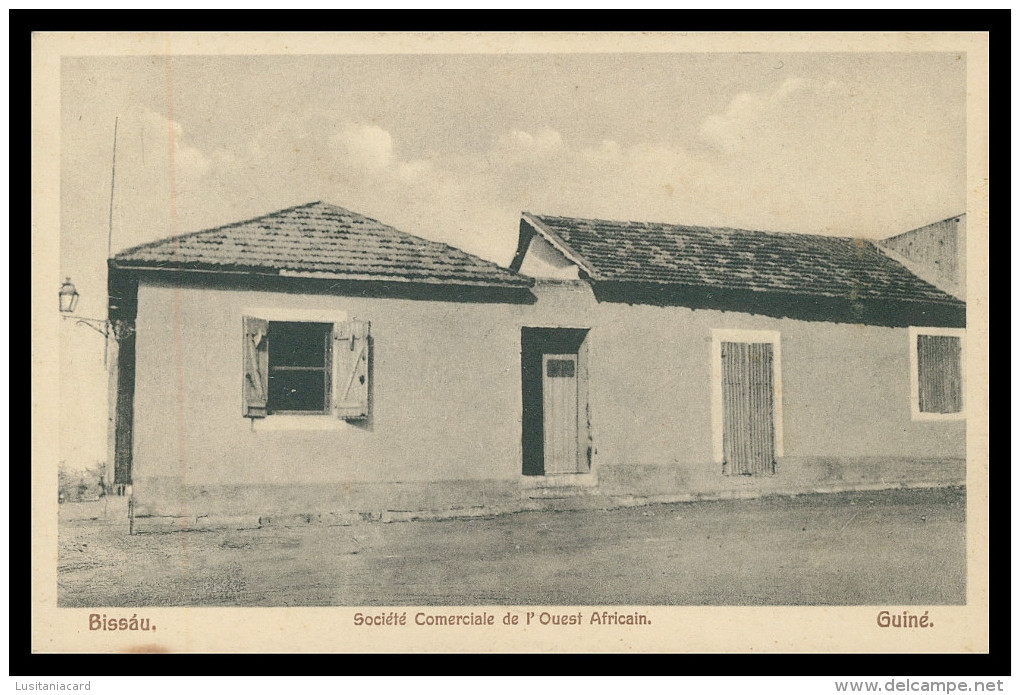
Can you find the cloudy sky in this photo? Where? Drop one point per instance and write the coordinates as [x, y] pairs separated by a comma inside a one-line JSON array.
[[454, 147]]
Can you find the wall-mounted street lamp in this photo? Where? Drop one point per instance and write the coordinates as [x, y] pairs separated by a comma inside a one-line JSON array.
[[118, 330], [68, 297], [69, 302]]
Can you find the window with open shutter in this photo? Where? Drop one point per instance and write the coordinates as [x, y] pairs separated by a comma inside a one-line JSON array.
[[256, 366], [306, 367], [351, 352]]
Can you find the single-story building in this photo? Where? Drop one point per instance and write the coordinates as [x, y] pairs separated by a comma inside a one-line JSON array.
[[316, 363]]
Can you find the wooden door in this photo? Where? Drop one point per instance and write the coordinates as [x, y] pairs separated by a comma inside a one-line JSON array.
[[748, 407], [559, 407]]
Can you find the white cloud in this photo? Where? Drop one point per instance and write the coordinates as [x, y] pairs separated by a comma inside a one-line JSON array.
[[748, 113], [521, 147], [364, 146], [167, 184], [164, 145], [796, 157]]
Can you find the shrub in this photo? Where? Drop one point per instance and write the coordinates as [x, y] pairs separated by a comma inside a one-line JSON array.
[[81, 485]]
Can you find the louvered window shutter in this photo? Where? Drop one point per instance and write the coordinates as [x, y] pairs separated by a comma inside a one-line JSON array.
[[940, 386], [351, 346], [256, 366]]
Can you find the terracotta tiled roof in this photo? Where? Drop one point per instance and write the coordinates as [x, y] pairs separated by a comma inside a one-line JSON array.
[[320, 239], [735, 259]]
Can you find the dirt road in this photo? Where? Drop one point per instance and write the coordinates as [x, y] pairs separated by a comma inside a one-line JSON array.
[[874, 548]]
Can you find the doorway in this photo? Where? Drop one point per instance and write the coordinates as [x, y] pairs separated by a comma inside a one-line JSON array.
[[555, 436]]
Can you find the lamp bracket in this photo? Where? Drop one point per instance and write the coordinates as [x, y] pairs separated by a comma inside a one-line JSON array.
[[118, 329]]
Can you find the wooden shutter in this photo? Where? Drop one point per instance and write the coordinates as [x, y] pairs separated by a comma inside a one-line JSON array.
[[256, 366], [748, 430], [940, 388], [351, 344]]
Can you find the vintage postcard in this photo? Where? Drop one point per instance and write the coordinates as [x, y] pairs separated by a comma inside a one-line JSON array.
[[510, 342]]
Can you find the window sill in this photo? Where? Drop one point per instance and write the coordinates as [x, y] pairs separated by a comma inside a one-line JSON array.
[[533, 482], [283, 423], [938, 417]]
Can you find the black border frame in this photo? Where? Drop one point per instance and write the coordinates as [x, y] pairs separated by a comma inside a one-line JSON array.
[[24, 663]]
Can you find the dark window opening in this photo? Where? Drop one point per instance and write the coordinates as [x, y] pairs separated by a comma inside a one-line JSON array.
[[299, 367]]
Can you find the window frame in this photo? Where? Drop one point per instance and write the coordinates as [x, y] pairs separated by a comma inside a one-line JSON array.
[[915, 378]]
